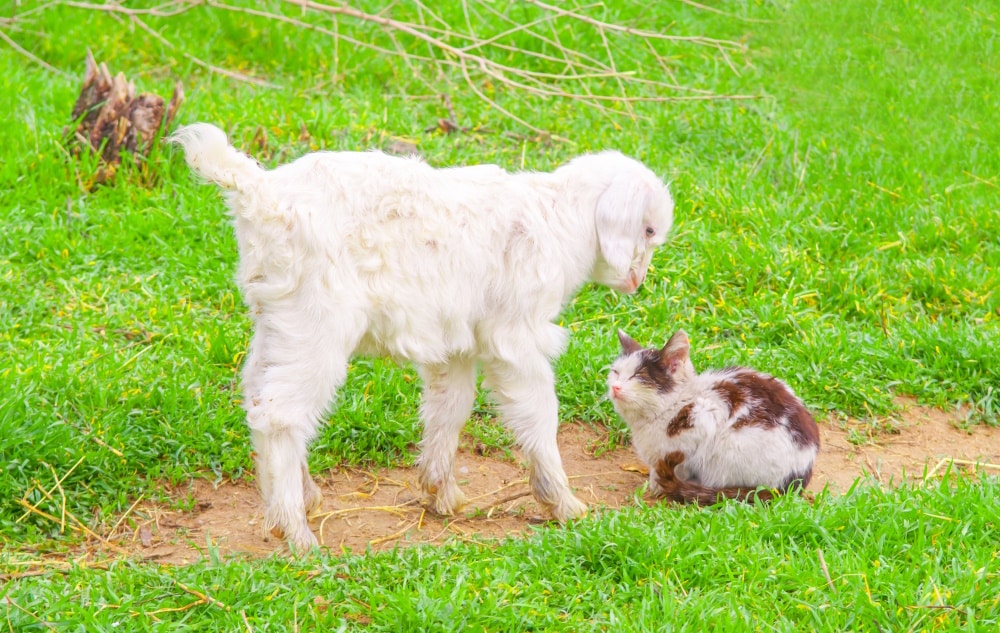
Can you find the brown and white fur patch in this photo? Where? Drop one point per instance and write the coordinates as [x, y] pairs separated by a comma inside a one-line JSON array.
[[717, 434]]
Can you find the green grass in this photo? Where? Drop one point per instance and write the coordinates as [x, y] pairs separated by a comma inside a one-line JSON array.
[[736, 567], [842, 231]]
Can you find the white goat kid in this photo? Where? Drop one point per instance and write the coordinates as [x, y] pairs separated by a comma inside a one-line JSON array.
[[345, 253]]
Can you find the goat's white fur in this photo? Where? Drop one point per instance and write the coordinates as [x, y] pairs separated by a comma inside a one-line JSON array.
[[451, 269]]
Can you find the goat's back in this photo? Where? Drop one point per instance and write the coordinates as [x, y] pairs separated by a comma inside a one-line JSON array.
[[439, 261]]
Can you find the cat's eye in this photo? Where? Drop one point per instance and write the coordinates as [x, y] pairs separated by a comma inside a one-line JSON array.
[[650, 231]]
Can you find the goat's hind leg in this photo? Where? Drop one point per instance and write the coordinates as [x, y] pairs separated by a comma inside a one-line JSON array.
[[287, 388], [449, 391], [281, 440]]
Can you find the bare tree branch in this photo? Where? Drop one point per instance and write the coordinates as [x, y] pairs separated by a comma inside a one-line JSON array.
[[531, 57], [41, 62]]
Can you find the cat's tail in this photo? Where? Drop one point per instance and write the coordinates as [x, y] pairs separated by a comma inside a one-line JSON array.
[[671, 487]]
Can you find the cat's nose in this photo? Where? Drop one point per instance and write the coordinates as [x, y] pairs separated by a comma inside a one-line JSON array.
[[615, 390]]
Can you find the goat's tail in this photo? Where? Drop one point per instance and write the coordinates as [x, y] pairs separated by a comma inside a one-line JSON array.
[[682, 491], [209, 154]]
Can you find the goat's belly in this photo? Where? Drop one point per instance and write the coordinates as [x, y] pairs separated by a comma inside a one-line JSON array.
[[419, 338]]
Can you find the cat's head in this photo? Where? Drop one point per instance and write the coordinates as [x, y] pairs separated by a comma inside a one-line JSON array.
[[640, 376]]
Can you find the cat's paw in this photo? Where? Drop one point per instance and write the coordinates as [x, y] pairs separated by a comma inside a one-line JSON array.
[[666, 468]]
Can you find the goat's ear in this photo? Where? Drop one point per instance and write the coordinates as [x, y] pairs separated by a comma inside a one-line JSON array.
[[620, 210]]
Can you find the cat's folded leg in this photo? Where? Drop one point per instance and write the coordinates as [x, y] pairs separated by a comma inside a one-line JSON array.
[[664, 476]]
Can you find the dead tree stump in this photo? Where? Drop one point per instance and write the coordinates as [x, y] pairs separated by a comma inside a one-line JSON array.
[[110, 119]]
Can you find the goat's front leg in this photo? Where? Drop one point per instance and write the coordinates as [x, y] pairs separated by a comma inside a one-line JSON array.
[[449, 391], [525, 391]]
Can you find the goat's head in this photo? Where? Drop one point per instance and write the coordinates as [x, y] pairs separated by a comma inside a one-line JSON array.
[[634, 213]]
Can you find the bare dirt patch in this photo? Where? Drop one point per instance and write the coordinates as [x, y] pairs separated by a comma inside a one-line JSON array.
[[381, 509]]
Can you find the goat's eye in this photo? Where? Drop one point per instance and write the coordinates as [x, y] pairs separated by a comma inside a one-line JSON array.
[[650, 231]]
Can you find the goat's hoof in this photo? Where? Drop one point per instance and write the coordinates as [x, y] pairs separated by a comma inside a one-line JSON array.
[[269, 529], [301, 539], [568, 508], [295, 532], [303, 544], [446, 502]]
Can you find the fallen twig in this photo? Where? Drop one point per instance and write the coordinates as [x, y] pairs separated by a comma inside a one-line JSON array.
[[124, 516], [205, 598], [826, 570], [23, 610], [325, 516], [963, 462], [46, 494], [393, 536], [490, 508], [79, 526]]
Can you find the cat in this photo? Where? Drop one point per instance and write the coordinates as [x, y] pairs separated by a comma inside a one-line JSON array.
[[714, 435]]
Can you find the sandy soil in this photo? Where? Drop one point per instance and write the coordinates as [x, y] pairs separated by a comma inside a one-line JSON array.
[[382, 509]]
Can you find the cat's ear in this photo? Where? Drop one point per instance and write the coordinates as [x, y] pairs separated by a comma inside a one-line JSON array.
[[629, 346], [675, 353]]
